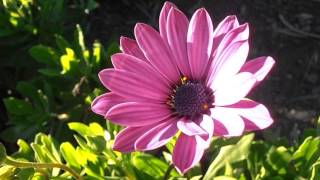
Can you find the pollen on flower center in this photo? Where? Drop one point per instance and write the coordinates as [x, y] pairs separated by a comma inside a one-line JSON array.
[[191, 98]]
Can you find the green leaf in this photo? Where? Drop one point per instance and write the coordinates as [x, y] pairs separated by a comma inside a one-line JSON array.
[[40, 153], [97, 52], [82, 143], [17, 106], [49, 71], [96, 143], [62, 43], [315, 173], [70, 155], [3, 153], [279, 159], [67, 59], [24, 151], [257, 156], [27, 89], [230, 154], [7, 172], [49, 143], [25, 173], [44, 54], [224, 178], [151, 165], [80, 38], [38, 176], [97, 129], [80, 128], [94, 129], [307, 154]]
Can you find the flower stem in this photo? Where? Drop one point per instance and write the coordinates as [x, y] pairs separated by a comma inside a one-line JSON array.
[[20, 164], [167, 174]]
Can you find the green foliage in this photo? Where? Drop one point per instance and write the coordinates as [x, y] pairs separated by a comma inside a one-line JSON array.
[[230, 154], [60, 73], [64, 92], [93, 158]]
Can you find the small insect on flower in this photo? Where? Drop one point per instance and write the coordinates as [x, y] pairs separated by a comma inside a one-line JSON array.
[[188, 78]]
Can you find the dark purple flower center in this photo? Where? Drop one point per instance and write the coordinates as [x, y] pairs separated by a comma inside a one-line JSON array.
[[191, 99]]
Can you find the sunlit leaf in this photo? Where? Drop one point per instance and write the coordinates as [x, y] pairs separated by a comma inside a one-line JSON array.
[[307, 154], [230, 154], [70, 155], [67, 59], [7, 172], [315, 173], [151, 165], [279, 159]]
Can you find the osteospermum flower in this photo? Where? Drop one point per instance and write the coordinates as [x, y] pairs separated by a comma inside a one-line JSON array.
[[189, 78]]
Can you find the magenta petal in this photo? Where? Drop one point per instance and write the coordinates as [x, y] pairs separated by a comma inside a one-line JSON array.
[[104, 102], [125, 140], [230, 62], [240, 33], [163, 19], [226, 25], [130, 46], [157, 51], [259, 67], [199, 42], [138, 114], [234, 89], [190, 128], [133, 86], [187, 152], [231, 121], [256, 115], [219, 129], [177, 26], [158, 135], [133, 64]]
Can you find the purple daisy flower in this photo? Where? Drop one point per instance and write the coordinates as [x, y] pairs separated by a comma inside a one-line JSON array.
[[189, 78]]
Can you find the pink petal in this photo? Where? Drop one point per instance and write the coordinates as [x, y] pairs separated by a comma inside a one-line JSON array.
[[219, 129], [133, 86], [259, 67], [226, 25], [157, 51], [177, 26], [158, 135], [137, 113], [125, 140], [199, 42], [104, 102], [232, 122], [190, 128], [163, 19], [231, 61], [130, 46], [234, 89], [241, 33], [228, 45], [135, 65], [256, 115], [187, 153]]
